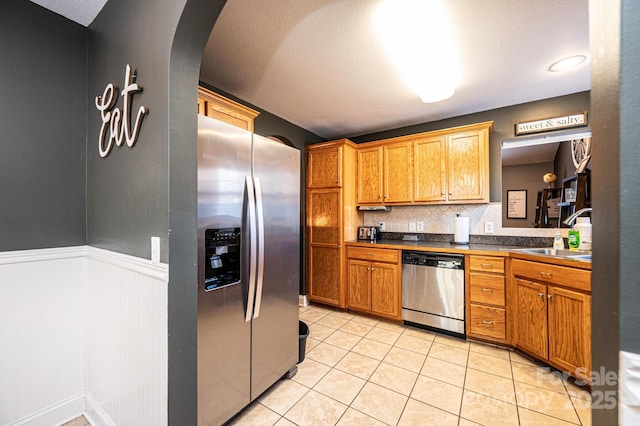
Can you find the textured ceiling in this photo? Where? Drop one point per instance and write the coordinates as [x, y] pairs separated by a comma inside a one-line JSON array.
[[80, 11], [318, 63]]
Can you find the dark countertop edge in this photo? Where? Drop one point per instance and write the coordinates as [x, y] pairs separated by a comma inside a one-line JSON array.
[[478, 249]]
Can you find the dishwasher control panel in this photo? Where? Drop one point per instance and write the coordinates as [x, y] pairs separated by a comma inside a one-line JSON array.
[[433, 260]]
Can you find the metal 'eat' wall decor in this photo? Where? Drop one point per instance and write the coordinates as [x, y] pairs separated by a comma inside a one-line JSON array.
[[116, 121]]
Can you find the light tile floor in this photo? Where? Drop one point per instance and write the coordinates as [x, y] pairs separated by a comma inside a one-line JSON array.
[[362, 371]]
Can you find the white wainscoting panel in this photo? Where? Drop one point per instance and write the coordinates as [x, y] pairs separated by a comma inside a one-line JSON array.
[[42, 317], [126, 340], [629, 389]]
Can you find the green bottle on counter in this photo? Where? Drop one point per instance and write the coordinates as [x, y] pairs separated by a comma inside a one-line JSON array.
[[574, 239]]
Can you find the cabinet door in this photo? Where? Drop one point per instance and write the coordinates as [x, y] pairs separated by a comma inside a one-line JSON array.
[[324, 275], [202, 105], [531, 317], [467, 166], [570, 331], [370, 176], [429, 169], [359, 287], [324, 236], [398, 173], [324, 217], [324, 167], [385, 289]]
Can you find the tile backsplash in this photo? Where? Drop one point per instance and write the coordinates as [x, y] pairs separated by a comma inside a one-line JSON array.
[[439, 220]]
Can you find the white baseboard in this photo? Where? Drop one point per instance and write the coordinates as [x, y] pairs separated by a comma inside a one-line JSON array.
[[94, 413], [56, 414], [302, 300]]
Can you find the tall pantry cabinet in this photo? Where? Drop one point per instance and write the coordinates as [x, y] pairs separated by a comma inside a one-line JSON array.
[[332, 218]]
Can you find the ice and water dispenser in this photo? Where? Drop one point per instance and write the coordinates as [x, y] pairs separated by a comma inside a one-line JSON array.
[[221, 258]]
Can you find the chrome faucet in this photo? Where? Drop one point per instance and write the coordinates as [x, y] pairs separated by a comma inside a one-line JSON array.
[[569, 221]]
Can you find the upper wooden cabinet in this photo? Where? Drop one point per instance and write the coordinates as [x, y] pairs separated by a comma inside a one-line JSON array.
[[453, 168], [384, 174], [439, 167], [332, 218], [370, 175], [468, 166], [324, 167], [216, 106], [429, 171]]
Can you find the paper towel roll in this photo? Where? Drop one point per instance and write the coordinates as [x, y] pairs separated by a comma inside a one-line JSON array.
[[461, 230]]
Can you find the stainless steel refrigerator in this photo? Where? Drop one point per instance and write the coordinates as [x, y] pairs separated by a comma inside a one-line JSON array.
[[248, 266]]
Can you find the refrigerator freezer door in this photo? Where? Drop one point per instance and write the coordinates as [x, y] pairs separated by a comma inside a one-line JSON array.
[[224, 338], [275, 324]]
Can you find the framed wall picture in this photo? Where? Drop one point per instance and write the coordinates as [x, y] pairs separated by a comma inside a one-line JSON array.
[[517, 204]]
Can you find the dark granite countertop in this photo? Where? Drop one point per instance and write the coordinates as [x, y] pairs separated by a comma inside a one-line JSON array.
[[506, 250]]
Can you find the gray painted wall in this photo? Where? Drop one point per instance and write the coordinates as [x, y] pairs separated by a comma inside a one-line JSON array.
[[128, 191], [604, 34], [43, 128], [503, 127], [630, 178]]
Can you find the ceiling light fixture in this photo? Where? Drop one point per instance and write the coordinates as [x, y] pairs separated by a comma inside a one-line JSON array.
[[418, 38], [567, 63]]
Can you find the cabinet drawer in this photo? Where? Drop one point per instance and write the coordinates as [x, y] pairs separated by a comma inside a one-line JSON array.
[[366, 253], [486, 288], [487, 321], [578, 279], [486, 264]]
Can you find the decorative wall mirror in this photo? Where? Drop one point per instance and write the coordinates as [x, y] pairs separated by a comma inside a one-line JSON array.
[[530, 163]]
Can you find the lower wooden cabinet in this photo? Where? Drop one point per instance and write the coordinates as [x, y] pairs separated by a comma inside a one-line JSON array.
[[373, 281], [531, 317], [325, 275], [486, 292], [553, 322]]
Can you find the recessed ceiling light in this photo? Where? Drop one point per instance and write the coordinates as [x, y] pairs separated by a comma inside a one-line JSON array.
[[567, 63]]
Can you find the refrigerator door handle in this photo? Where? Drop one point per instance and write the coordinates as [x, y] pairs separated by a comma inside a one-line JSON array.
[[260, 220], [252, 247]]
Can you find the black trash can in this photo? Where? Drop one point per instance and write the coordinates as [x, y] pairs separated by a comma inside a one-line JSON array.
[[302, 340]]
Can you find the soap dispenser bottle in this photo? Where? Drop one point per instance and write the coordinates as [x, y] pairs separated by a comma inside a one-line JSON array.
[[558, 242]]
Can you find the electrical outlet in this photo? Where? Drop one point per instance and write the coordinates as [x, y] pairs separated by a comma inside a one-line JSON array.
[[420, 227], [488, 227], [381, 225], [412, 227], [155, 250]]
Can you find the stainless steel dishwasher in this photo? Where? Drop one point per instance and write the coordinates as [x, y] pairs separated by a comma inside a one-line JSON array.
[[433, 290]]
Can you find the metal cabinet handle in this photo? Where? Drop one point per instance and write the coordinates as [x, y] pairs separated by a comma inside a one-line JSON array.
[[487, 322], [386, 196], [487, 290], [546, 274], [540, 295], [486, 265], [549, 296]]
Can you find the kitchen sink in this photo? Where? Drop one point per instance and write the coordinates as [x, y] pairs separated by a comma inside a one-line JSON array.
[[563, 253]]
